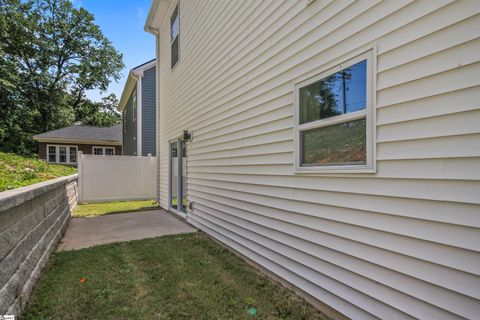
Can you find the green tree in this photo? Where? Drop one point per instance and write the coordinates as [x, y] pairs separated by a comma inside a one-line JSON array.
[[51, 54], [102, 114]]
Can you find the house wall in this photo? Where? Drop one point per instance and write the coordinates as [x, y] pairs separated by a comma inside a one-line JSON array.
[[129, 128], [401, 243], [85, 148], [149, 112]]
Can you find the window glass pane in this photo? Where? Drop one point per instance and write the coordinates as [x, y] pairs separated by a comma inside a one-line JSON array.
[[174, 149], [340, 93], [109, 151], [174, 174], [174, 35], [174, 24], [98, 151], [183, 179], [52, 154], [63, 154], [339, 144], [174, 52], [73, 154]]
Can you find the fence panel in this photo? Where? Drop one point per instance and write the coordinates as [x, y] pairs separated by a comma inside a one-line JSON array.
[[116, 178]]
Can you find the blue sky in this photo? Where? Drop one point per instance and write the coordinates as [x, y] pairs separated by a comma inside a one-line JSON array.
[[122, 23]]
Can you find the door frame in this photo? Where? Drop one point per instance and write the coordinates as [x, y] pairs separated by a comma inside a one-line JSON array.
[[178, 210]]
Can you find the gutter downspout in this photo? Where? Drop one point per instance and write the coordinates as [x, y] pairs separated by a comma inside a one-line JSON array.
[[156, 33], [139, 113], [157, 108]]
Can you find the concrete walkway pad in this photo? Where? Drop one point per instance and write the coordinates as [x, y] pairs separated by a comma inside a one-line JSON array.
[[88, 232]]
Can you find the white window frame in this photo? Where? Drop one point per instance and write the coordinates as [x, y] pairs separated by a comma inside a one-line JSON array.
[[48, 153], [57, 153], [93, 151], [69, 154], [103, 150], [368, 113], [177, 36]]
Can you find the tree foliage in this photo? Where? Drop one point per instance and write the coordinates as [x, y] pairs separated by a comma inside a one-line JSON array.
[[103, 114], [50, 54]]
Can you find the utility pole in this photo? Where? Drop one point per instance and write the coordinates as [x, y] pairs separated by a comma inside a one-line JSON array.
[[344, 92]]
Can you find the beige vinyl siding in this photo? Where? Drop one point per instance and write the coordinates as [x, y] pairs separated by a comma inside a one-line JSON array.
[[401, 243]]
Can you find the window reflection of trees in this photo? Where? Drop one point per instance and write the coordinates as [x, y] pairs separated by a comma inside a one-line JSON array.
[[340, 93], [319, 100]]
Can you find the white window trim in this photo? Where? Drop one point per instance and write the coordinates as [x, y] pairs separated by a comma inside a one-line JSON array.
[[368, 113], [103, 150], [57, 153]]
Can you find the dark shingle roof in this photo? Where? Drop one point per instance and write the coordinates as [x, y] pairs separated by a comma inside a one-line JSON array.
[[77, 132], [143, 64]]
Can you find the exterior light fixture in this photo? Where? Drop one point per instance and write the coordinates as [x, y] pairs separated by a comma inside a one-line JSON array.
[[187, 135]]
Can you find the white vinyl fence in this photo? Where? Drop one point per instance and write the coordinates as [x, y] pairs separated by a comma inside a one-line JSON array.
[[116, 178]]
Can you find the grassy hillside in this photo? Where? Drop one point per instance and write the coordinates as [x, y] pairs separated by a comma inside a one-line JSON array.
[[16, 171]]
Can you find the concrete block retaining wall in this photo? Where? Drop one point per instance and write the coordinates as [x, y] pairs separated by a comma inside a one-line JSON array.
[[32, 222]]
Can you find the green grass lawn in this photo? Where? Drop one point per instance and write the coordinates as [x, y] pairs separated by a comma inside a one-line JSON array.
[[98, 209], [172, 277], [175, 201], [17, 171]]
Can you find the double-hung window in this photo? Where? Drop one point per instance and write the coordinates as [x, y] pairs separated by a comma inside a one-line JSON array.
[[98, 151], [174, 36], [334, 119], [73, 154], [61, 154], [52, 153], [103, 151]]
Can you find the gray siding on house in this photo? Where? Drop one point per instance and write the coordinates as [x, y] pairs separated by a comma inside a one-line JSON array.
[[149, 112], [129, 128]]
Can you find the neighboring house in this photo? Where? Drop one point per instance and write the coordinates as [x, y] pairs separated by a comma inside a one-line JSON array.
[[62, 145], [335, 143], [138, 107]]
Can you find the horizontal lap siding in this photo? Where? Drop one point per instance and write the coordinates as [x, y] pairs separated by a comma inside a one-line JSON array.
[[149, 114], [398, 244], [129, 128]]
